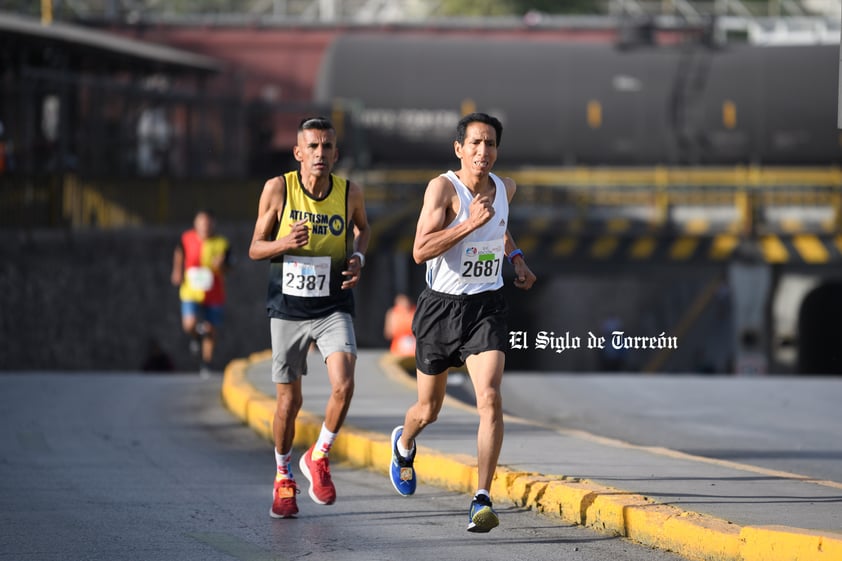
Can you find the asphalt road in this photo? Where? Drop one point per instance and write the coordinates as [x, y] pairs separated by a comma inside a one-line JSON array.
[[791, 424], [116, 466]]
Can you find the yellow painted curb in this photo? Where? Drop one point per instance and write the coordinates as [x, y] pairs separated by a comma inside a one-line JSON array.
[[695, 536], [782, 543]]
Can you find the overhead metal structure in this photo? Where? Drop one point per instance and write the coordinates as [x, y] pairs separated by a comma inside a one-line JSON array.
[[17, 33], [76, 99]]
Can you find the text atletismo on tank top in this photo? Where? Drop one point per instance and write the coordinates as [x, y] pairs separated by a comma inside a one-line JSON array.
[[475, 264], [305, 283]]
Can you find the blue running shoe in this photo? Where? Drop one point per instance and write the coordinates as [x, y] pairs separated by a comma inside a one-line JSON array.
[[482, 516], [401, 471]]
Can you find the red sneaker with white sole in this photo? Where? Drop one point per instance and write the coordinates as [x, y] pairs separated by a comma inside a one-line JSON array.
[[321, 489], [284, 504]]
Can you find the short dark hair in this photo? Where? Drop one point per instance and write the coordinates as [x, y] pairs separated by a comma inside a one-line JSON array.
[[318, 123], [484, 118]]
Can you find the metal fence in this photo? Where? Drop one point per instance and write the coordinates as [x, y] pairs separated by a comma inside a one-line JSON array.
[[695, 202]]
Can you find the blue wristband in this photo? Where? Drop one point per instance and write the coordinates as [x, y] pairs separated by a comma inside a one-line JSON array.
[[514, 254]]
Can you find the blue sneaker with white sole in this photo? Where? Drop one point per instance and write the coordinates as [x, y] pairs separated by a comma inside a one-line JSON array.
[[481, 515], [401, 471]]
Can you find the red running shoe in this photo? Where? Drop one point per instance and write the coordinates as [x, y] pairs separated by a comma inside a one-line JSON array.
[[284, 504], [321, 490]]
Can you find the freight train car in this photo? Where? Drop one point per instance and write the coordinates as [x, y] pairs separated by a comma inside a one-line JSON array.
[[587, 104]]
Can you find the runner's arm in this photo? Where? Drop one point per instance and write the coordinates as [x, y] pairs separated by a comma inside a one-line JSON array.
[[432, 237], [362, 234], [177, 265], [524, 277], [264, 244]]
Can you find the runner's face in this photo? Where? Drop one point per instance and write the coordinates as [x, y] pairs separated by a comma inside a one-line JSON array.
[[316, 150], [203, 225], [479, 151]]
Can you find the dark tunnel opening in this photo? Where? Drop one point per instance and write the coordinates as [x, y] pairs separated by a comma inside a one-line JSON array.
[[820, 331]]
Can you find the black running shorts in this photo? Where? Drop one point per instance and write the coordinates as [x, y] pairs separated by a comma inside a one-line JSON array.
[[448, 328]]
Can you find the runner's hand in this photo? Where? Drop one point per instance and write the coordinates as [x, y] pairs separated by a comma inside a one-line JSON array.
[[481, 210], [352, 273], [524, 277], [298, 235]]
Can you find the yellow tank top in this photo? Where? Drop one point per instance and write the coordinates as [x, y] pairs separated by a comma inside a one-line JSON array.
[[305, 282]]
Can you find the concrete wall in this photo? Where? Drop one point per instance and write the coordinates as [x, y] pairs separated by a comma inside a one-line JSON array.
[[93, 300]]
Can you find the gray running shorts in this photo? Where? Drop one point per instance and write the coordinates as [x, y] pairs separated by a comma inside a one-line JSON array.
[[291, 341]]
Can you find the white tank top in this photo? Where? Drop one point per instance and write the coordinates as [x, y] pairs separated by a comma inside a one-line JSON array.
[[475, 264]]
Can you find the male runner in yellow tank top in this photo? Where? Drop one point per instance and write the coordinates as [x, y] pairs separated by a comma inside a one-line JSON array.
[[313, 228]]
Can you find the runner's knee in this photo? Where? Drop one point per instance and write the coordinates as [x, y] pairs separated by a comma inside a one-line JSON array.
[[489, 398], [343, 390]]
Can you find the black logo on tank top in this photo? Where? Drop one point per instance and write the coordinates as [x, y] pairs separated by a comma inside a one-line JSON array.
[[337, 225]]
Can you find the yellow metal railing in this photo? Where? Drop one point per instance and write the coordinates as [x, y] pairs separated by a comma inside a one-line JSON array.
[[694, 201], [740, 200]]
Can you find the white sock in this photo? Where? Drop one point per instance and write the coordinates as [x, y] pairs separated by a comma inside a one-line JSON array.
[[404, 452], [483, 492], [283, 461], [324, 443]]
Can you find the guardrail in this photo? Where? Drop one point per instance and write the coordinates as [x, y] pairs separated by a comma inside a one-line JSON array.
[[739, 200], [743, 201]]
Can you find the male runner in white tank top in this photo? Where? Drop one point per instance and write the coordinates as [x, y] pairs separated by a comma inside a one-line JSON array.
[[463, 237]]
